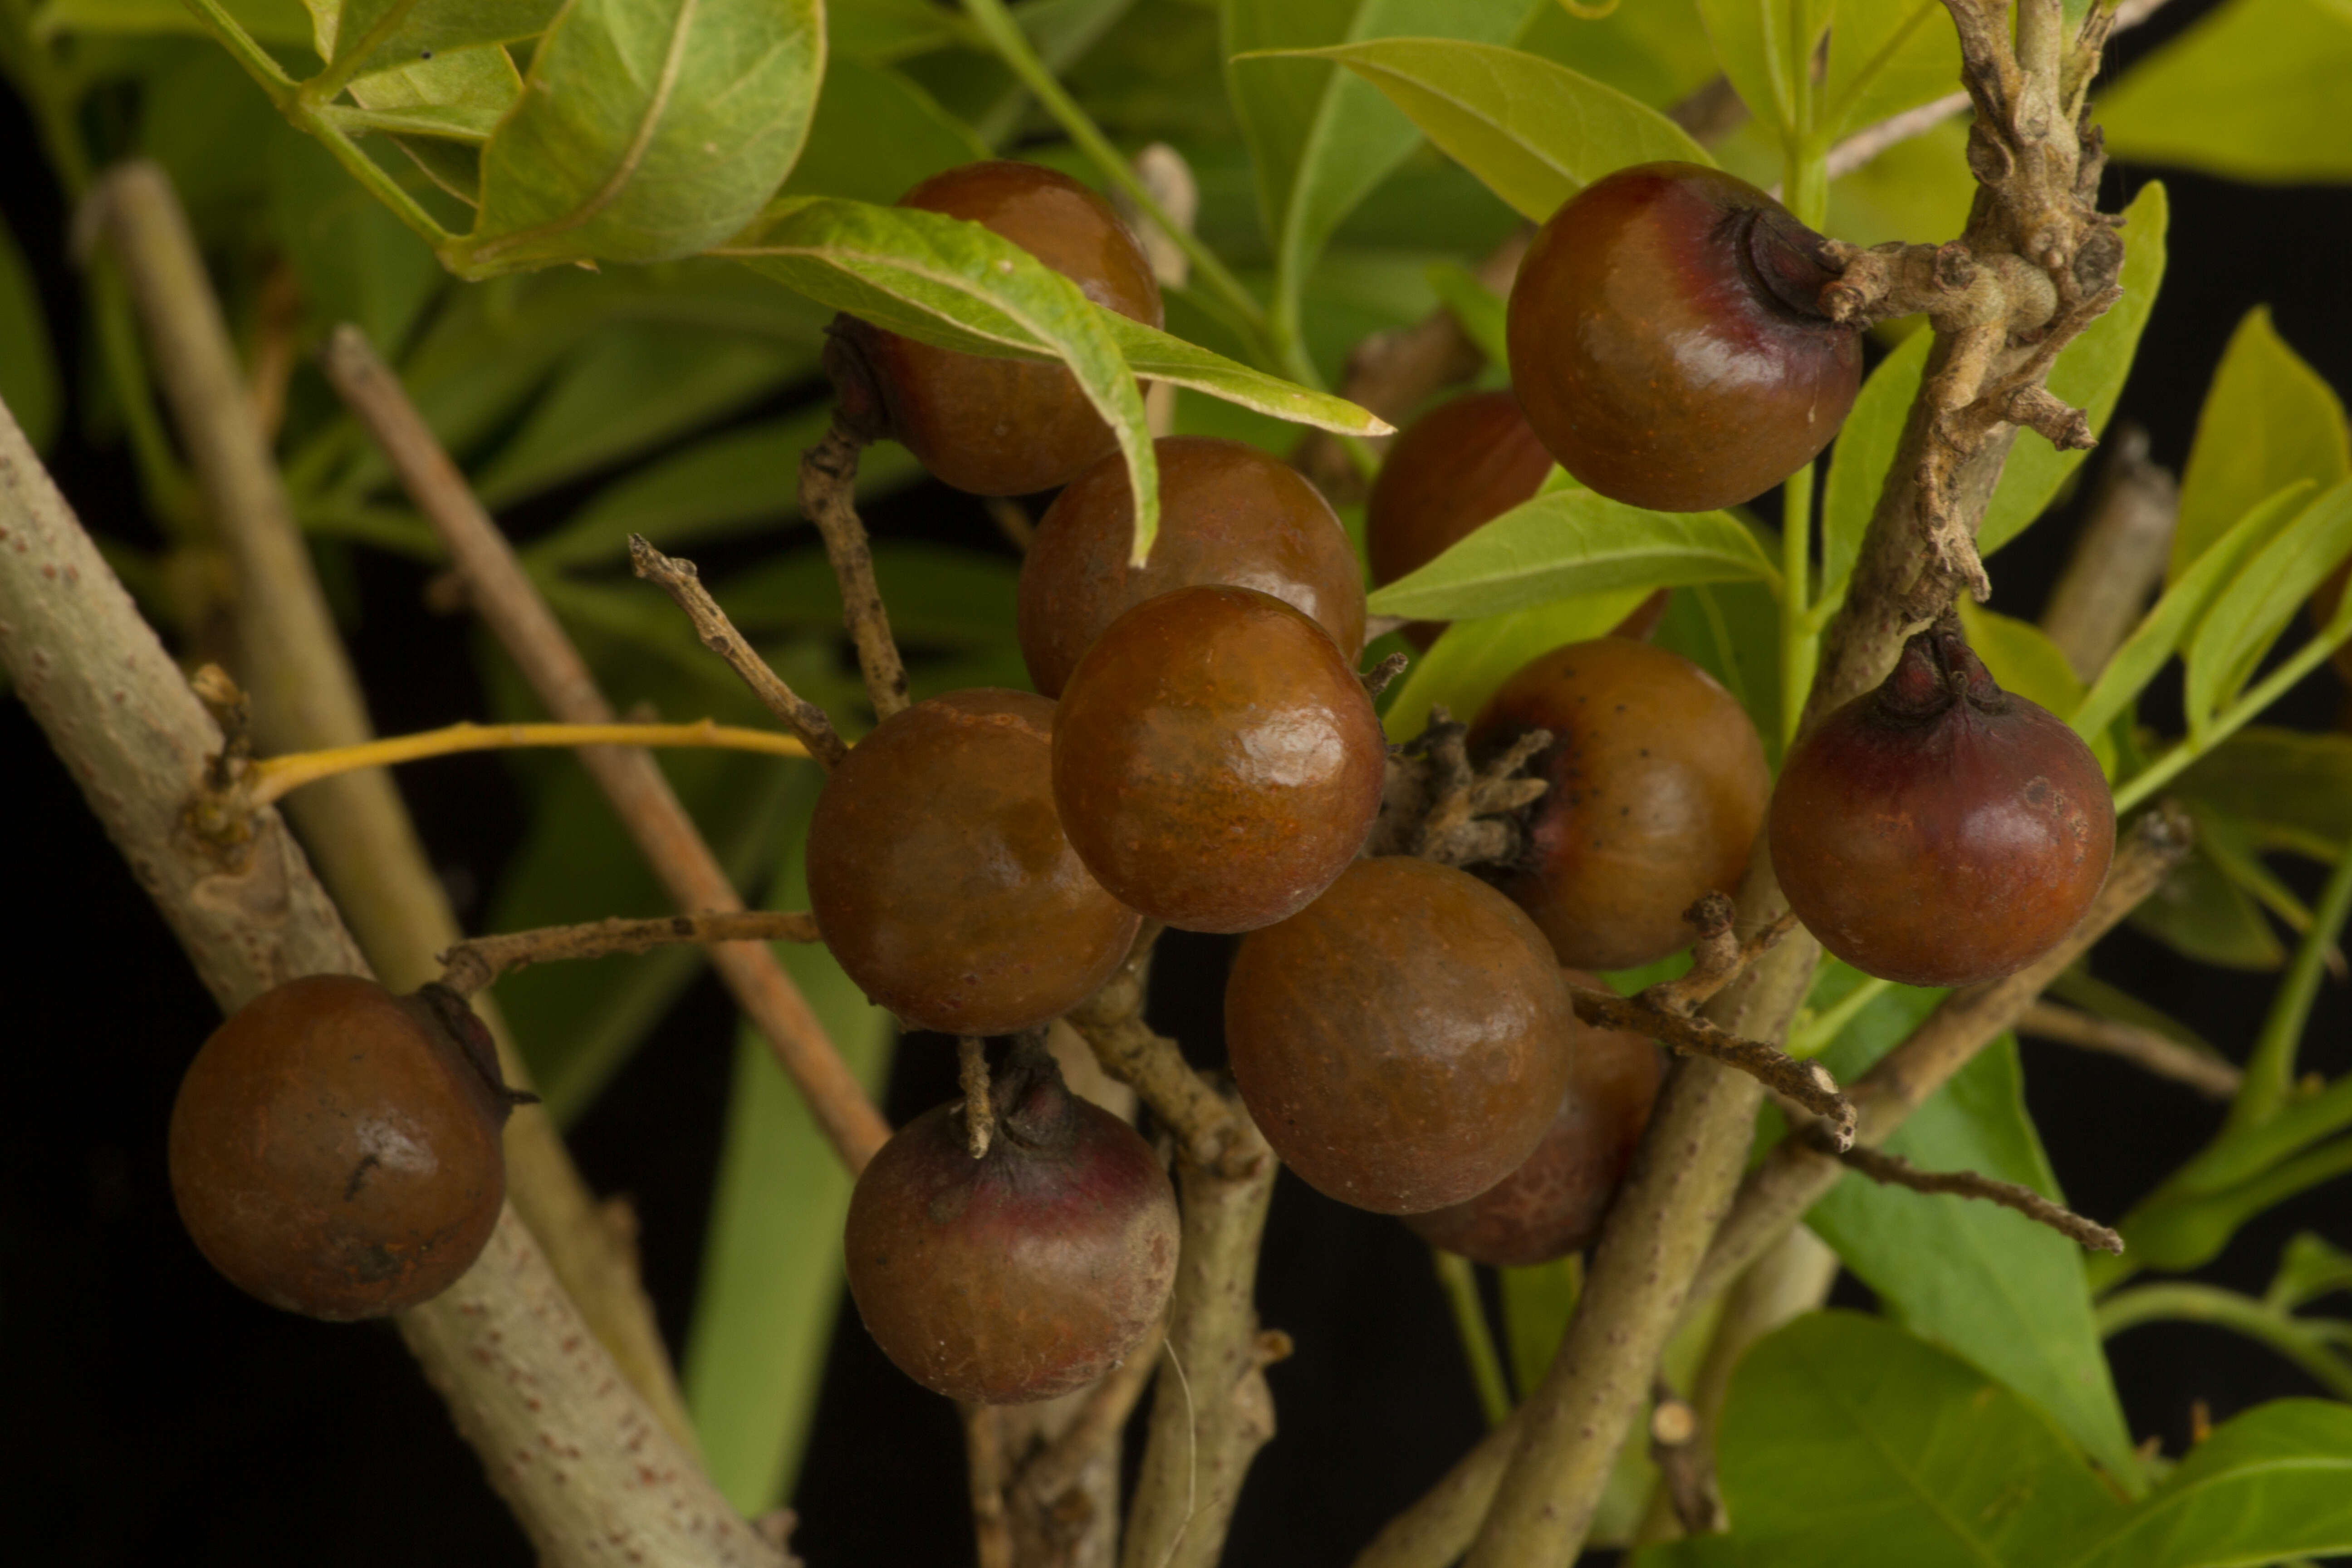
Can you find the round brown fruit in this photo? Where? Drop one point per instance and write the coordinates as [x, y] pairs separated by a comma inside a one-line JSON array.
[[1216, 762], [335, 1149], [1456, 469], [1027, 1272], [1940, 831], [939, 877], [999, 427], [1554, 1203], [1404, 1040], [1228, 514], [1658, 785], [1667, 341]]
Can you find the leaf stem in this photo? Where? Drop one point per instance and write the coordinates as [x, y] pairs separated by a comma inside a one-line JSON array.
[[2186, 1302], [2270, 1070], [258, 63], [1004, 35], [1459, 1280], [1800, 644], [2184, 752], [273, 777]]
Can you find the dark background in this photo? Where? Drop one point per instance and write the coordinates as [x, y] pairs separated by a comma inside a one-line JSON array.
[[150, 1413]]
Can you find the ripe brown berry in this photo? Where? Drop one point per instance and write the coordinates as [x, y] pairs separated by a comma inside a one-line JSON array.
[[1667, 341], [1216, 763], [335, 1149], [1658, 785], [939, 877], [1456, 469], [1553, 1205], [1404, 1040], [1940, 831], [999, 427], [1228, 514], [1025, 1273]]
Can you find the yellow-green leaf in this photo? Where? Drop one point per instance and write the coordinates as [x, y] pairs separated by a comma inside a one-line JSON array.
[[2253, 90], [2268, 421]]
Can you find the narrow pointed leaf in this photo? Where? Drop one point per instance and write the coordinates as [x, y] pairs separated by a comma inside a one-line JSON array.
[[2268, 420], [2266, 594], [2253, 90], [1474, 657]]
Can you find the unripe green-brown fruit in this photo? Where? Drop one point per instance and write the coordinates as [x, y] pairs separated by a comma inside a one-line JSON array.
[[1554, 1202], [999, 427], [1025, 1273], [1404, 1040], [335, 1149], [1455, 469], [940, 876], [1228, 514], [1939, 830], [1667, 343], [1658, 785], [1216, 762]]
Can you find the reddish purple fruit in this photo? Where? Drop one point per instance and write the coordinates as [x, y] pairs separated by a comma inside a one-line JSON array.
[[1554, 1203], [1940, 831], [1025, 1273], [1404, 1040], [335, 1149], [941, 881], [1667, 341], [999, 427], [1228, 514]]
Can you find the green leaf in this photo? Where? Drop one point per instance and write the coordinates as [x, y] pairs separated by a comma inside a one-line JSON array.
[[2089, 375], [1887, 56], [1861, 458], [771, 1263], [2176, 617], [1320, 138], [648, 129], [1988, 1284], [2253, 90], [881, 31], [958, 286], [460, 94], [2293, 788], [381, 34], [1574, 541], [2200, 913], [876, 135], [28, 369], [356, 261], [1766, 47], [1537, 1301], [940, 595], [2308, 1268], [2268, 421], [1732, 630], [2025, 660], [1478, 307], [1848, 1443], [1656, 50], [1159, 356], [1534, 131], [2276, 1482], [1472, 657], [281, 22], [628, 388], [2250, 614]]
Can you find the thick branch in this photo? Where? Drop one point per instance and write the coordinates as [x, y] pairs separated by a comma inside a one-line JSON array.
[[1206, 1131], [683, 583], [2118, 558], [829, 498], [470, 965], [1894, 1170], [2209, 1075], [306, 696], [565, 1438], [640, 796]]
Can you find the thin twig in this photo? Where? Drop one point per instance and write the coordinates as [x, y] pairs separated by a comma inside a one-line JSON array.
[[272, 778], [1377, 678], [983, 1440], [470, 965], [682, 583], [1718, 957], [1894, 1170], [2209, 1075], [1056, 1467], [502, 593], [979, 1107], [522, 1372], [829, 498], [1805, 1083], [1150, 1063], [2118, 558], [1685, 1461]]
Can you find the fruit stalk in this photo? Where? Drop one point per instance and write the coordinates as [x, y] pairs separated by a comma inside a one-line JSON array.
[[520, 1367], [307, 697], [1894, 1171], [499, 589], [467, 967], [829, 499]]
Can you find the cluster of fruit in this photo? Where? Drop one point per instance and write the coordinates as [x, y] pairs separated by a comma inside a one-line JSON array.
[[1200, 751]]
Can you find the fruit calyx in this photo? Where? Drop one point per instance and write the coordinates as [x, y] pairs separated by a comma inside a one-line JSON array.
[[445, 1011], [1032, 1104], [1788, 261], [1935, 670]]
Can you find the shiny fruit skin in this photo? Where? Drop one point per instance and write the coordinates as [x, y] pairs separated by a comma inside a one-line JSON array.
[[1216, 762], [1664, 344], [1025, 1273], [1553, 1203], [1228, 514], [940, 876], [1404, 1040], [1002, 426], [1939, 830], [1658, 785], [335, 1151], [1456, 469]]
